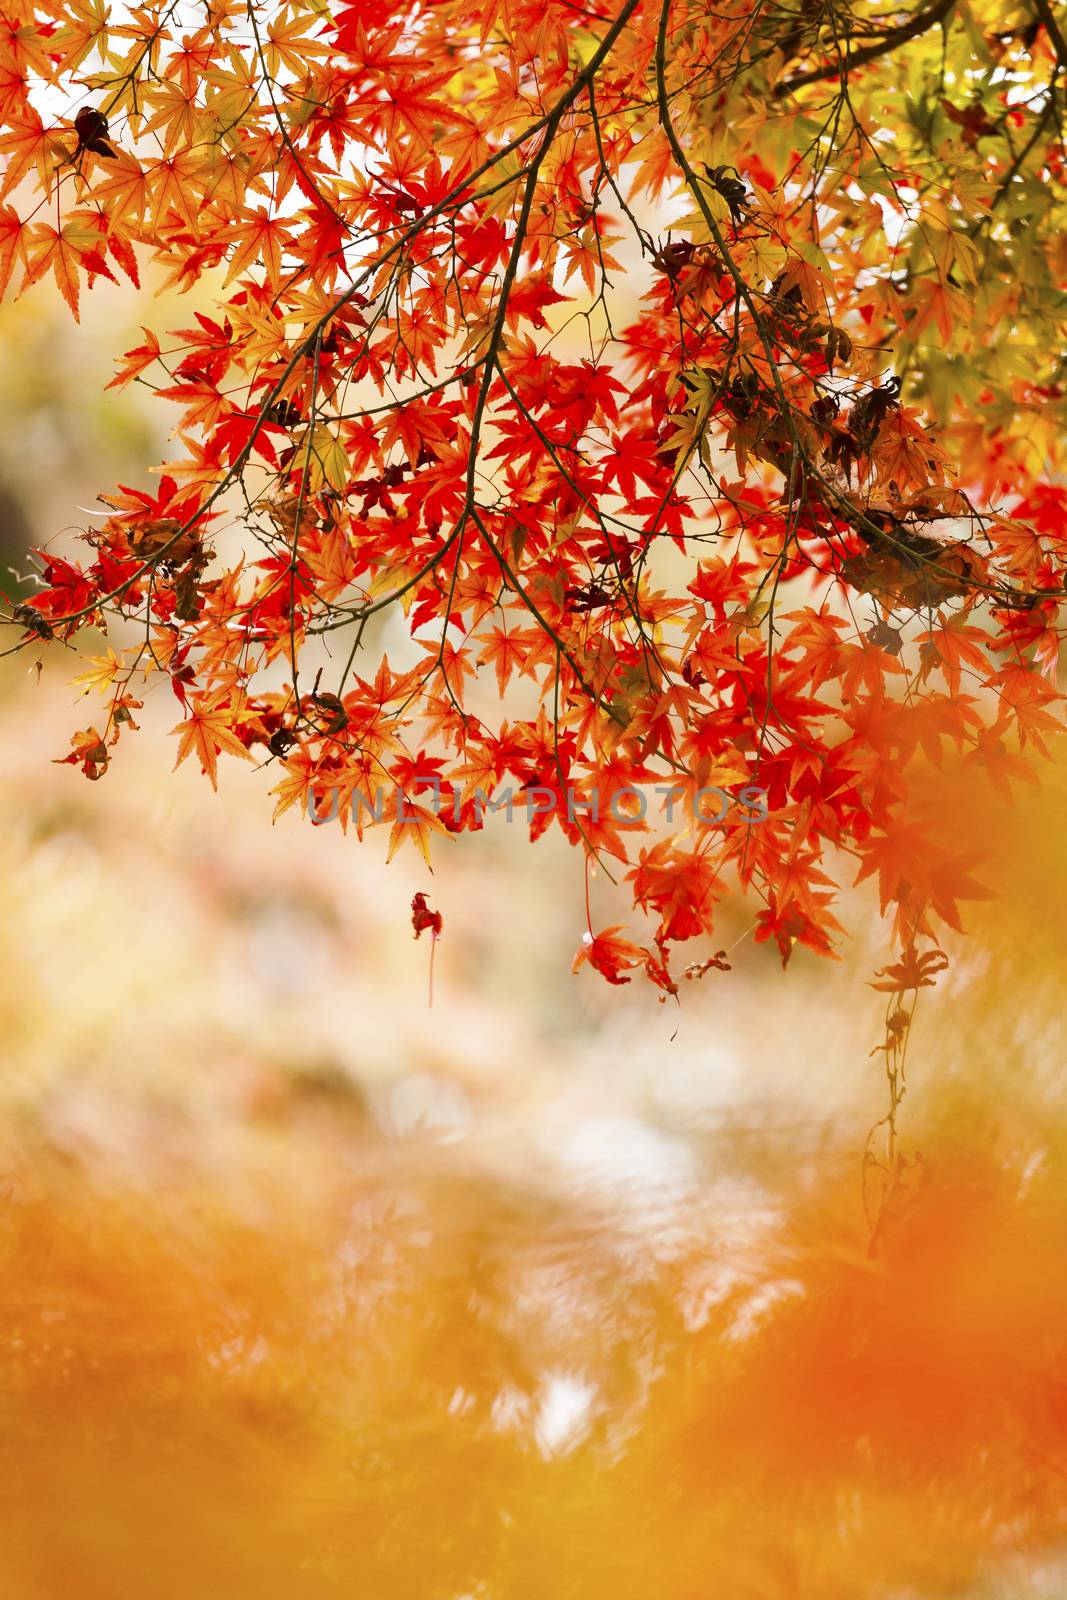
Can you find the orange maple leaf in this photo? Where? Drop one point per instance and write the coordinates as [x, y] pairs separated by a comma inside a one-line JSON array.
[[76, 245], [209, 729]]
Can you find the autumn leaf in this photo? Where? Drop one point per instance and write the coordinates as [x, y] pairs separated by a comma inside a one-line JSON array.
[[261, 239], [611, 956], [135, 361], [65, 251], [88, 751], [12, 244], [422, 917], [414, 825], [28, 145], [912, 971], [208, 730]]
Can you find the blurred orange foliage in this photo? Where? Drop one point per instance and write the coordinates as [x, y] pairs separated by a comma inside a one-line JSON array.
[[438, 1385]]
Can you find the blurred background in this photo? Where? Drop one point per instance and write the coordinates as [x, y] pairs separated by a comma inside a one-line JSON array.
[[307, 1288]]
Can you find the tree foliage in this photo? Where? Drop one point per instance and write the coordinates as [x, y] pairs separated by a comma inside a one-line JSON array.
[[675, 391]]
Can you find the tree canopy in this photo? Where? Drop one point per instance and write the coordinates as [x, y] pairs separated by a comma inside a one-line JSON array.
[[691, 378]]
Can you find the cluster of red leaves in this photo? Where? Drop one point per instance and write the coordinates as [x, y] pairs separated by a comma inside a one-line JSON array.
[[711, 550]]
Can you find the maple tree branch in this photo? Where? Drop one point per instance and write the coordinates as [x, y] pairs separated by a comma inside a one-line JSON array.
[[1055, 33], [550, 119], [1018, 162], [644, 238], [539, 616], [547, 127], [601, 518], [282, 129], [696, 189], [920, 23], [469, 367], [294, 554], [853, 514], [532, 486], [129, 77]]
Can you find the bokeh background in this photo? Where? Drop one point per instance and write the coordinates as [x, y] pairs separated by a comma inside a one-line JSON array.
[[548, 1291]]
